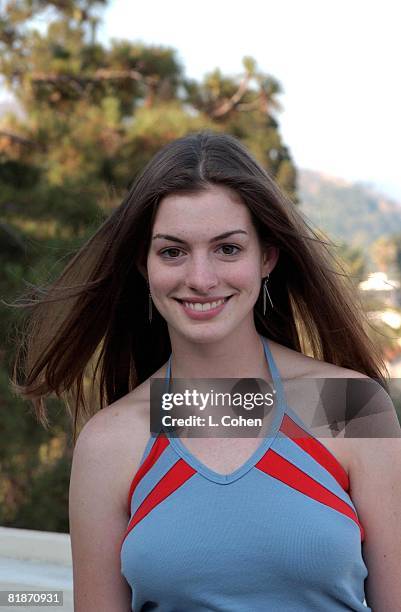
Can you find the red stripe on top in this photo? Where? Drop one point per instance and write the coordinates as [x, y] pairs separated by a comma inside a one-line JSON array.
[[316, 449], [276, 466], [171, 481], [157, 449]]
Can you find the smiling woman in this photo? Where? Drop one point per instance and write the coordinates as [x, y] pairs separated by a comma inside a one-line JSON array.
[[207, 270]]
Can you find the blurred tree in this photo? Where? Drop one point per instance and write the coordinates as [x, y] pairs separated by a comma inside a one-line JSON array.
[[393, 252], [245, 107], [383, 252], [354, 261]]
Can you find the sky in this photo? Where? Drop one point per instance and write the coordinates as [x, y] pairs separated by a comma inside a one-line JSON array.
[[338, 63]]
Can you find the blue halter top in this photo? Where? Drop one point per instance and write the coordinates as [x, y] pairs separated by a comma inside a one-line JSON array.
[[279, 533]]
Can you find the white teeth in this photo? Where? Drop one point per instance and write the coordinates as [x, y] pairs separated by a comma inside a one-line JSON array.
[[203, 307]]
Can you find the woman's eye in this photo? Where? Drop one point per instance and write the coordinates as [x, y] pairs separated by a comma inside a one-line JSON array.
[[173, 253], [227, 250]]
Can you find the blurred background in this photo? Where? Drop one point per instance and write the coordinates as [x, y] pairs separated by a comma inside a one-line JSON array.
[[90, 90]]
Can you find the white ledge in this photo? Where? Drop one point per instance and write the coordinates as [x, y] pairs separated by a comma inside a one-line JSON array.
[[42, 546]]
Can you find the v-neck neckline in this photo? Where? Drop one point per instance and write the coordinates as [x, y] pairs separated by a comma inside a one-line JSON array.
[[266, 441]]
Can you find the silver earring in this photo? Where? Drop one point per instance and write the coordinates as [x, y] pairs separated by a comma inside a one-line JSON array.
[[149, 305], [266, 294]]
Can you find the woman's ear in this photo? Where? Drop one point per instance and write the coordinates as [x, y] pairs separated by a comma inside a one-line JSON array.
[[270, 258]]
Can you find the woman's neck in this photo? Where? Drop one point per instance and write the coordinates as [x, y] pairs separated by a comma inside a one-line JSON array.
[[239, 355]]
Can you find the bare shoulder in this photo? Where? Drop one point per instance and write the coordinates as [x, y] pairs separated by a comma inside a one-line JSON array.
[[372, 421], [338, 432], [118, 435], [293, 364]]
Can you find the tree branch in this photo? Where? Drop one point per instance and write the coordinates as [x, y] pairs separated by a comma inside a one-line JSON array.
[[228, 105], [102, 74], [17, 139]]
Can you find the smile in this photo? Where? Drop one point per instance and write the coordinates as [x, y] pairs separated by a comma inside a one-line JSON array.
[[203, 310], [205, 306]]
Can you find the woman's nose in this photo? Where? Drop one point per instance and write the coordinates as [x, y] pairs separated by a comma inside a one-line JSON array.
[[201, 275]]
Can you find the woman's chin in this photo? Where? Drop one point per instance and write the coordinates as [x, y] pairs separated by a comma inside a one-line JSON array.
[[202, 334]]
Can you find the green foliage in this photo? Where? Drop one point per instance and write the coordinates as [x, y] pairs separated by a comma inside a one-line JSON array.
[[34, 465], [46, 506], [18, 173]]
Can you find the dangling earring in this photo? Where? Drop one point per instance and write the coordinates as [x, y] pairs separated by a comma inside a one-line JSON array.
[[149, 304], [266, 294]]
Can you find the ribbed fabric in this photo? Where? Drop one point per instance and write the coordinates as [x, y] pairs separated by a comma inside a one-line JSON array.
[[279, 533]]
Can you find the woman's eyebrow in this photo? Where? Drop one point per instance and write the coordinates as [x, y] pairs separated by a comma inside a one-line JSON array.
[[219, 237]]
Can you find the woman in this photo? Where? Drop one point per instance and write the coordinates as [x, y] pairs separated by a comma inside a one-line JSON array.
[[207, 271]]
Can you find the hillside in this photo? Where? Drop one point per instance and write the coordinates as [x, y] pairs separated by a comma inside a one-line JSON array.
[[351, 212]]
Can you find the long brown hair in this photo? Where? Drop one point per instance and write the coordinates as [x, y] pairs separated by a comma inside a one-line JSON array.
[[88, 338]]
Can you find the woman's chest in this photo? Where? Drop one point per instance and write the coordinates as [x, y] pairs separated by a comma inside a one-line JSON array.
[[257, 533], [222, 455]]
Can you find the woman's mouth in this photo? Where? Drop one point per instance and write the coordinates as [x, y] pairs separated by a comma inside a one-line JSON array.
[[202, 311]]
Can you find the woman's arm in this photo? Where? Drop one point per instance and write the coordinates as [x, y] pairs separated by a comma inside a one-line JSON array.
[[375, 478], [98, 519]]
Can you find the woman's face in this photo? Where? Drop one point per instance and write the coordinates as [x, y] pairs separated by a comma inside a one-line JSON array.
[[205, 264]]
